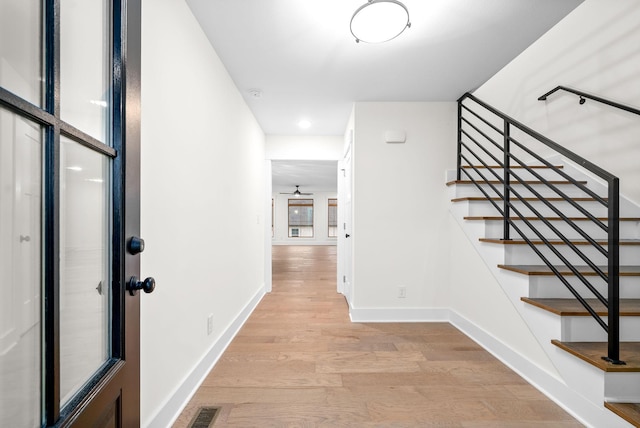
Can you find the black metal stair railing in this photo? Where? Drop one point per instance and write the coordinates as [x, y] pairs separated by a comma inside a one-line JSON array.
[[488, 138], [584, 96]]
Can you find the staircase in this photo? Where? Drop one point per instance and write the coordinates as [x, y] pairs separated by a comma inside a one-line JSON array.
[[565, 248], [569, 334]]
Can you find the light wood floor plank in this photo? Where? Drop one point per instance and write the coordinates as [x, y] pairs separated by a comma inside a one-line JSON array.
[[300, 362]]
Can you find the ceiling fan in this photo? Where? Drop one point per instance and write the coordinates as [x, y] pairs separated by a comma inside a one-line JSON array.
[[297, 192]]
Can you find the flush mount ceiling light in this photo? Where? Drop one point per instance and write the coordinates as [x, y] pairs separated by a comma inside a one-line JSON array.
[[379, 21]]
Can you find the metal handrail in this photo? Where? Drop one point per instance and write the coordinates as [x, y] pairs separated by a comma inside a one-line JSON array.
[[584, 95], [508, 193]]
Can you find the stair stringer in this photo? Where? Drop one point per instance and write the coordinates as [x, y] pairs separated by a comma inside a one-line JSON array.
[[585, 384]]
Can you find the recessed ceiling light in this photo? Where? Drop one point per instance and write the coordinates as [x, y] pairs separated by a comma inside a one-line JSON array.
[[74, 168], [379, 21], [304, 124]]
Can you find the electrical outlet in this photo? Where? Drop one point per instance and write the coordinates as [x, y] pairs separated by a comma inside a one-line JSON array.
[[402, 292], [209, 324]]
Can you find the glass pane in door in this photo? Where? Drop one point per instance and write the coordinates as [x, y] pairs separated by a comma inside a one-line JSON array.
[[85, 276], [20, 272], [20, 48], [85, 65]]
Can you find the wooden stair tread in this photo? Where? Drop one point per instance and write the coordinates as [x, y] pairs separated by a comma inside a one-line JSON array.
[[500, 218], [514, 167], [556, 241], [558, 182], [571, 307], [543, 270], [592, 353], [627, 411], [554, 199]]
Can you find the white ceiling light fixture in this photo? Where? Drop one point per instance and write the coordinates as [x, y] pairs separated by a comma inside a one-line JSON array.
[[379, 21]]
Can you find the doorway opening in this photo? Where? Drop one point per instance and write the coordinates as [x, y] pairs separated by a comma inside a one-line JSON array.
[[304, 207]]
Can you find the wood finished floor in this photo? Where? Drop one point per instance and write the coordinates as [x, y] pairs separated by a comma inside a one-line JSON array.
[[300, 362]]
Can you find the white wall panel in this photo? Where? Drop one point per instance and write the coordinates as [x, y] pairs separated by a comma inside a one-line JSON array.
[[203, 194], [400, 204], [594, 49], [304, 147]]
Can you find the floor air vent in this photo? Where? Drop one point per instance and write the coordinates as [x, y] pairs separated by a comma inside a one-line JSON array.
[[205, 417]]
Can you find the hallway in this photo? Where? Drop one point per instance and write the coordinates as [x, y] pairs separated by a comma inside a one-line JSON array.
[[299, 361]]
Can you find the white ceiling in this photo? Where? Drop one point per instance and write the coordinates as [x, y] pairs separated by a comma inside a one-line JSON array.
[[302, 57], [311, 176]]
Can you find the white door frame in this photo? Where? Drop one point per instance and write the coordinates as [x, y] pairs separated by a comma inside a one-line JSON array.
[[268, 219], [344, 277]]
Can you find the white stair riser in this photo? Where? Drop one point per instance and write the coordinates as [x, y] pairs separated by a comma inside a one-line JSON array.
[[551, 287], [622, 387], [586, 329], [495, 229], [524, 255], [463, 190], [546, 173], [485, 208]]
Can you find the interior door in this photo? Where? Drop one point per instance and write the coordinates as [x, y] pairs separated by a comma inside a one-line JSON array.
[[69, 216]]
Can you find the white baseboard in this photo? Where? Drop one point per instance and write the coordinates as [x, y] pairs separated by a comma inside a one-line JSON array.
[[167, 415], [572, 402]]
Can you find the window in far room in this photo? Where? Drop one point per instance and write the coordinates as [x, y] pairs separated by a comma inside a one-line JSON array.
[[300, 218], [333, 218]]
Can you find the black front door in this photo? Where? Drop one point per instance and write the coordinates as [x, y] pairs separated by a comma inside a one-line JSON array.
[[69, 207]]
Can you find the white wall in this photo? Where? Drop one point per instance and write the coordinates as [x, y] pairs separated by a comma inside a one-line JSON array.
[[203, 193], [320, 220], [594, 49], [400, 204], [295, 147]]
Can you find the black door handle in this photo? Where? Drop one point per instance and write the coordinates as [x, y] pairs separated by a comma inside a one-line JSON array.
[[346, 235], [148, 285]]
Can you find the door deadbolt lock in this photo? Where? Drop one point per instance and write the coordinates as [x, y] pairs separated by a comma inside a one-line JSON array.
[[135, 245]]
